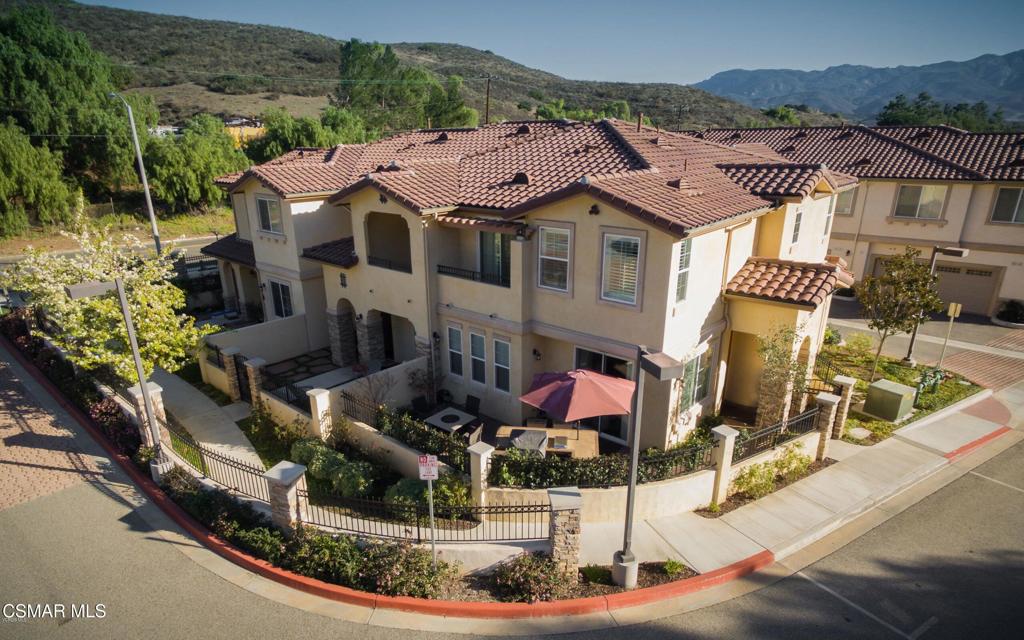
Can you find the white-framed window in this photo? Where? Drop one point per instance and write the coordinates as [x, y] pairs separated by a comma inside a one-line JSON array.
[[478, 357], [502, 365], [620, 268], [281, 295], [553, 255], [920, 201], [1009, 206], [455, 351], [269, 210], [696, 380], [844, 203], [828, 217], [683, 270], [797, 221]]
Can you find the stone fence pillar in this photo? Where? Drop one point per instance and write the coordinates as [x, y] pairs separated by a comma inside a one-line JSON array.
[[479, 464], [139, 404], [846, 383], [284, 480], [320, 412], [828, 403], [725, 443], [254, 368], [565, 529], [231, 372]]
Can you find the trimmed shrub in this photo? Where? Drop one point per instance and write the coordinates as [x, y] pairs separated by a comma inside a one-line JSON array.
[[792, 463], [324, 462], [352, 479], [756, 480], [1012, 311], [262, 542], [529, 577], [673, 568], [121, 431], [400, 569], [302, 450], [832, 335], [334, 559]]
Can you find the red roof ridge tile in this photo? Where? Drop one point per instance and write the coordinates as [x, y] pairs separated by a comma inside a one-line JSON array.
[[920, 151]]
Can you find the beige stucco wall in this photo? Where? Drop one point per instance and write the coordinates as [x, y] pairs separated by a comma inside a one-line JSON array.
[[273, 341]]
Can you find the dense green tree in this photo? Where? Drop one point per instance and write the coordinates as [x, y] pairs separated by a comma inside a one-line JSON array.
[[32, 190], [925, 110], [784, 114], [556, 110], [56, 88], [283, 132], [446, 108], [377, 87], [182, 170]]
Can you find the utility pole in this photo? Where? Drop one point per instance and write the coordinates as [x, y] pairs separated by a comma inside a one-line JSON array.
[[487, 102], [142, 170]]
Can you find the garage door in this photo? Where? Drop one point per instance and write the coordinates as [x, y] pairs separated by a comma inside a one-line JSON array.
[[973, 286]]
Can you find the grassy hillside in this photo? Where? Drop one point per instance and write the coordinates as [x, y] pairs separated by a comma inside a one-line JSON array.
[[229, 68]]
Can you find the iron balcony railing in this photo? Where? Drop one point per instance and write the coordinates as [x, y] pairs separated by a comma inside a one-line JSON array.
[[388, 263], [501, 280]]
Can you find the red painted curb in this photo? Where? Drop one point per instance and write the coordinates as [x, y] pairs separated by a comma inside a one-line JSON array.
[[960, 452], [451, 608]]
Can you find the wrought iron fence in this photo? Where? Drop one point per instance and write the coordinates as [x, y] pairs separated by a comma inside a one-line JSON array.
[[388, 263], [770, 437], [411, 521], [214, 356], [501, 280], [661, 465], [824, 375], [279, 387], [231, 473]]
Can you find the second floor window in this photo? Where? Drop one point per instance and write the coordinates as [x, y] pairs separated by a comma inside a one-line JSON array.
[[495, 257], [696, 380], [270, 215], [683, 270], [1009, 206], [281, 294], [797, 221], [844, 203], [920, 201], [620, 270], [553, 259]]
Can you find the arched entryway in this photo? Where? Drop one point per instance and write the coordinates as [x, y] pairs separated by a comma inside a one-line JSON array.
[[342, 328]]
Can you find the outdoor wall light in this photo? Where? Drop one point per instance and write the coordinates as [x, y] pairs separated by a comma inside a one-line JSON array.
[[359, 317], [594, 210], [536, 354], [383, 199], [437, 338]]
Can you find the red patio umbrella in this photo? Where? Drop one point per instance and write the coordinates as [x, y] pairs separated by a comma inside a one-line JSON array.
[[578, 394]]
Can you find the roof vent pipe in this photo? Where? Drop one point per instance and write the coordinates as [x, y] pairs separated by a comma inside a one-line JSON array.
[[639, 120]]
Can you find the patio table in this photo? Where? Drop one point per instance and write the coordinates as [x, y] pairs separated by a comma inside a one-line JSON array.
[[579, 443], [450, 419]]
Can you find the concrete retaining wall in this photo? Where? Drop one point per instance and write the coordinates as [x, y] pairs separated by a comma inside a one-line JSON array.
[[284, 413], [399, 456], [399, 393], [809, 442], [273, 341]]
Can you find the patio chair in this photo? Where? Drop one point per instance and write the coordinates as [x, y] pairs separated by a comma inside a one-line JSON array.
[[538, 423], [473, 405], [476, 435], [420, 407]]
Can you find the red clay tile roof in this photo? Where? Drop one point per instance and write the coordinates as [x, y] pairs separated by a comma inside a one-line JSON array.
[[1000, 156], [337, 252], [481, 224], [672, 180], [783, 180], [856, 150], [802, 283], [231, 248]]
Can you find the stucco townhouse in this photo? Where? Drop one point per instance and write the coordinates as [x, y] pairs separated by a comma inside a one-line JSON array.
[[524, 247], [919, 186]]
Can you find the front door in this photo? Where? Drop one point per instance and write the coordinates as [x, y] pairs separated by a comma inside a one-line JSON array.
[[614, 428]]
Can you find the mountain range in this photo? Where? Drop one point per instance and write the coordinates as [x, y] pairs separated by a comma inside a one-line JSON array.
[[861, 91]]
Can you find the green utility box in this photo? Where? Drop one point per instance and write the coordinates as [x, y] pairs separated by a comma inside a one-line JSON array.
[[889, 400]]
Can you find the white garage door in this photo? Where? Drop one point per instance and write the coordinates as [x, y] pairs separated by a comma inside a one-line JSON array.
[[973, 286]]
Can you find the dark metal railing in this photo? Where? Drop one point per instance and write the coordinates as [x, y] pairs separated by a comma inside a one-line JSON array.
[[231, 473], [501, 280], [388, 263], [411, 521], [770, 437], [279, 387], [662, 465], [824, 375], [214, 356]]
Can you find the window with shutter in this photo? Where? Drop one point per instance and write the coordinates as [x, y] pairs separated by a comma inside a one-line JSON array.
[[620, 268], [683, 270]]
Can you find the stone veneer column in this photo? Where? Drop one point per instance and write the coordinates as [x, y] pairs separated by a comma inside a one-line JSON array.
[[231, 372], [565, 529], [479, 465], [370, 337], [828, 403], [772, 405], [254, 367], [284, 480], [725, 443], [334, 337], [320, 412], [139, 404], [847, 384]]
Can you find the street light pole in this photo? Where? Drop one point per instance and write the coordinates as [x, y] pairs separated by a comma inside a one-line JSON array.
[[956, 252], [91, 289], [142, 170]]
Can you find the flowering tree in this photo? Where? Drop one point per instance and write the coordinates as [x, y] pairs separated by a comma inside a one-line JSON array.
[[92, 330]]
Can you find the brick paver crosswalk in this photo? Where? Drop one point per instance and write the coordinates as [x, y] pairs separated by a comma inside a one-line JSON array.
[[1013, 341], [988, 370]]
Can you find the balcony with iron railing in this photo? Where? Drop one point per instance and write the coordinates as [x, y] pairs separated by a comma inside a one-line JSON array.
[[500, 280], [389, 263]]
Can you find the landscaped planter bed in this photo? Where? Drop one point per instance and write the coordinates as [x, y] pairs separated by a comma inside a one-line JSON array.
[[739, 499]]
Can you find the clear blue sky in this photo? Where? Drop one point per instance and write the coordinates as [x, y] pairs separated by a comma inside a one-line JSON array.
[[655, 40]]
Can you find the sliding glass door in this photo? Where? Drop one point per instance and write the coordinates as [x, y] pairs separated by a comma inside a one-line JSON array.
[[614, 428], [495, 258]]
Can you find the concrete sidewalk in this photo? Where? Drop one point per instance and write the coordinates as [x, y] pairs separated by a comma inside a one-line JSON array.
[[806, 511], [208, 423]]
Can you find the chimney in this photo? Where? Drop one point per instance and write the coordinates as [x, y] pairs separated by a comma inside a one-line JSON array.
[[639, 120]]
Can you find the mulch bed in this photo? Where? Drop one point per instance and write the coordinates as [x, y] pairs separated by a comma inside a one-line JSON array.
[[737, 500]]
